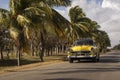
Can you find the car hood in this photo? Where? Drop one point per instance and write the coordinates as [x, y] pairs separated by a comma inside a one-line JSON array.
[[82, 48]]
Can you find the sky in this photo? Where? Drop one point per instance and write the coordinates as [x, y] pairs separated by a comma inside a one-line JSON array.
[[105, 12]]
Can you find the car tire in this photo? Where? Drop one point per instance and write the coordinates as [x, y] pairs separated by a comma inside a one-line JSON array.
[[94, 60], [70, 60], [98, 60]]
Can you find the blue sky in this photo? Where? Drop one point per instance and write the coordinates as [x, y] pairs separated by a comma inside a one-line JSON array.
[[4, 4], [105, 12], [97, 1]]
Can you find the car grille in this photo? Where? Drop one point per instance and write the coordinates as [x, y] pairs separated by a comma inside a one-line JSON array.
[[85, 51], [81, 53]]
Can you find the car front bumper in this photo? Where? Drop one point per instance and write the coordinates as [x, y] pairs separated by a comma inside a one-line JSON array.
[[81, 57]]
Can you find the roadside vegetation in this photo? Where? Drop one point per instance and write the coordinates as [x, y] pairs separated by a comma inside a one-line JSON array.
[[34, 28], [116, 47]]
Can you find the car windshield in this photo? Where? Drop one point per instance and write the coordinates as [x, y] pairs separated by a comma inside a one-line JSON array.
[[83, 42]]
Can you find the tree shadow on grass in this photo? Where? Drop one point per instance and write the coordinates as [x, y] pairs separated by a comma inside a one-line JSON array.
[[8, 63], [13, 62]]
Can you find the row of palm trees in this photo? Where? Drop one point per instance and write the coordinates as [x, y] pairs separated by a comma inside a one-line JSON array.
[[36, 19]]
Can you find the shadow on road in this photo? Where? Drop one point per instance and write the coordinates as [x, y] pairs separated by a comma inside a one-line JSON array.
[[110, 59], [65, 79], [85, 70]]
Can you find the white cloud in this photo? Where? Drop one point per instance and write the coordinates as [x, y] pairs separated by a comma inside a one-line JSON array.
[[113, 23], [107, 15], [116, 36], [111, 4]]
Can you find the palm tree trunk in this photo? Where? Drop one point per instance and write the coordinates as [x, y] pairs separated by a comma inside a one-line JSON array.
[[18, 61], [19, 55], [51, 51], [18, 52], [42, 54], [1, 53], [63, 48], [42, 48], [32, 47], [8, 52]]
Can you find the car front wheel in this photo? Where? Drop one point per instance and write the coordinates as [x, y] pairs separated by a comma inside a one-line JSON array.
[[70, 60]]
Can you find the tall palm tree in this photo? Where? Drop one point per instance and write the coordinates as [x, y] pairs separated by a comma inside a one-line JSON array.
[[29, 15], [79, 22]]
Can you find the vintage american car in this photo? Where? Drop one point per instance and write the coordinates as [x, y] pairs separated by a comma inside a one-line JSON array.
[[84, 48]]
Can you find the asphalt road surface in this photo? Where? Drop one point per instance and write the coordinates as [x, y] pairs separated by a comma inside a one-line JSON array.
[[107, 69]]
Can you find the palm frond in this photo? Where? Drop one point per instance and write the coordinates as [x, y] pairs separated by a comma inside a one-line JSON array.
[[22, 20], [60, 22], [58, 2], [15, 6], [36, 15], [14, 33], [76, 13]]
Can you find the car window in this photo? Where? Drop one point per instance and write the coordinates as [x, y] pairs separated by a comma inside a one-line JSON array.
[[83, 42]]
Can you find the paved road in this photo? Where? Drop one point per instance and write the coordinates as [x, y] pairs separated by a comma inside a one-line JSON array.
[[107, 69]]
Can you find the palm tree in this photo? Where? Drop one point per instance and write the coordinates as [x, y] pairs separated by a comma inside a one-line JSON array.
[[105, 41], [79, 22], [30, 15], [92, 28], [102, 40]]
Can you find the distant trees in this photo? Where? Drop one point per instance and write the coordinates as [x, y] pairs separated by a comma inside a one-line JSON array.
[[1, 45], [102, 40], [116, 47], [5, 43], [4, 34]]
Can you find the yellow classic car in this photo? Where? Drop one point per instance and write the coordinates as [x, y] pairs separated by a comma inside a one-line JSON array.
[[83, 49]]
